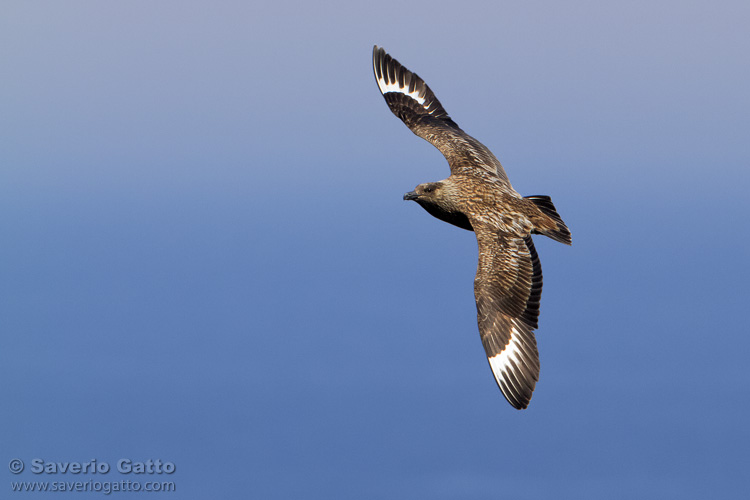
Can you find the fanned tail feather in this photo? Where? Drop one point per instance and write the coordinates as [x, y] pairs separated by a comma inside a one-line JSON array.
[[544, 203]]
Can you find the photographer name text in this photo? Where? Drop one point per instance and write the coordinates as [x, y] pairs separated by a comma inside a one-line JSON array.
[[123, 466]]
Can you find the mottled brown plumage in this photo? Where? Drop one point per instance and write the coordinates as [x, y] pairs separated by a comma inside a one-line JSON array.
[[478, 197]]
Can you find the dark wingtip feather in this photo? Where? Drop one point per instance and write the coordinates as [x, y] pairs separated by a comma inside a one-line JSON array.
[[415, 95]]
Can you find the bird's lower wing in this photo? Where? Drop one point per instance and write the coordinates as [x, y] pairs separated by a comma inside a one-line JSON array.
[[508, 287]]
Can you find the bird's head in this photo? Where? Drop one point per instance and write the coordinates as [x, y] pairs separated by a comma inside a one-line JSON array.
[[441, 200], [429, 192], [442, 194]]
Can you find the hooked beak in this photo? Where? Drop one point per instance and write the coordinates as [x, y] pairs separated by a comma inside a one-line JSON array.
[[411, 195]]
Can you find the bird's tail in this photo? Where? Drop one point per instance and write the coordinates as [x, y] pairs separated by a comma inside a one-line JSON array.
[[544, 203]]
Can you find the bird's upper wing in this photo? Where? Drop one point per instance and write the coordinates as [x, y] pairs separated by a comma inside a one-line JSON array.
[[413, 102], [508, 287]]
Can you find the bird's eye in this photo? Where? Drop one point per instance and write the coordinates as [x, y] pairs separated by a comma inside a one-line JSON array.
[[428, 189]]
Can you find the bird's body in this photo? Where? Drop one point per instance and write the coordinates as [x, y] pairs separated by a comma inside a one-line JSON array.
[[478, 196]]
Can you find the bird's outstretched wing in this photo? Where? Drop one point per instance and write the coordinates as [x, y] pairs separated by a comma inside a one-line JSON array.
[[413, 102], [508, 288]]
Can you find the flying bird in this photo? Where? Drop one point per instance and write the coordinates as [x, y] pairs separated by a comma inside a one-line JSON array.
[[478, 196]]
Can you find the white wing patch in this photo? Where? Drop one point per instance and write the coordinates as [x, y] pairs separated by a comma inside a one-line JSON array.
[[386, 87], [502, 363]]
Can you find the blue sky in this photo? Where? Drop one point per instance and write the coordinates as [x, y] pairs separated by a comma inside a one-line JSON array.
[[206, 259]]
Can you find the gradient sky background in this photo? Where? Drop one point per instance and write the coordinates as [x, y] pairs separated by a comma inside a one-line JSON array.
[[205, 257]]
